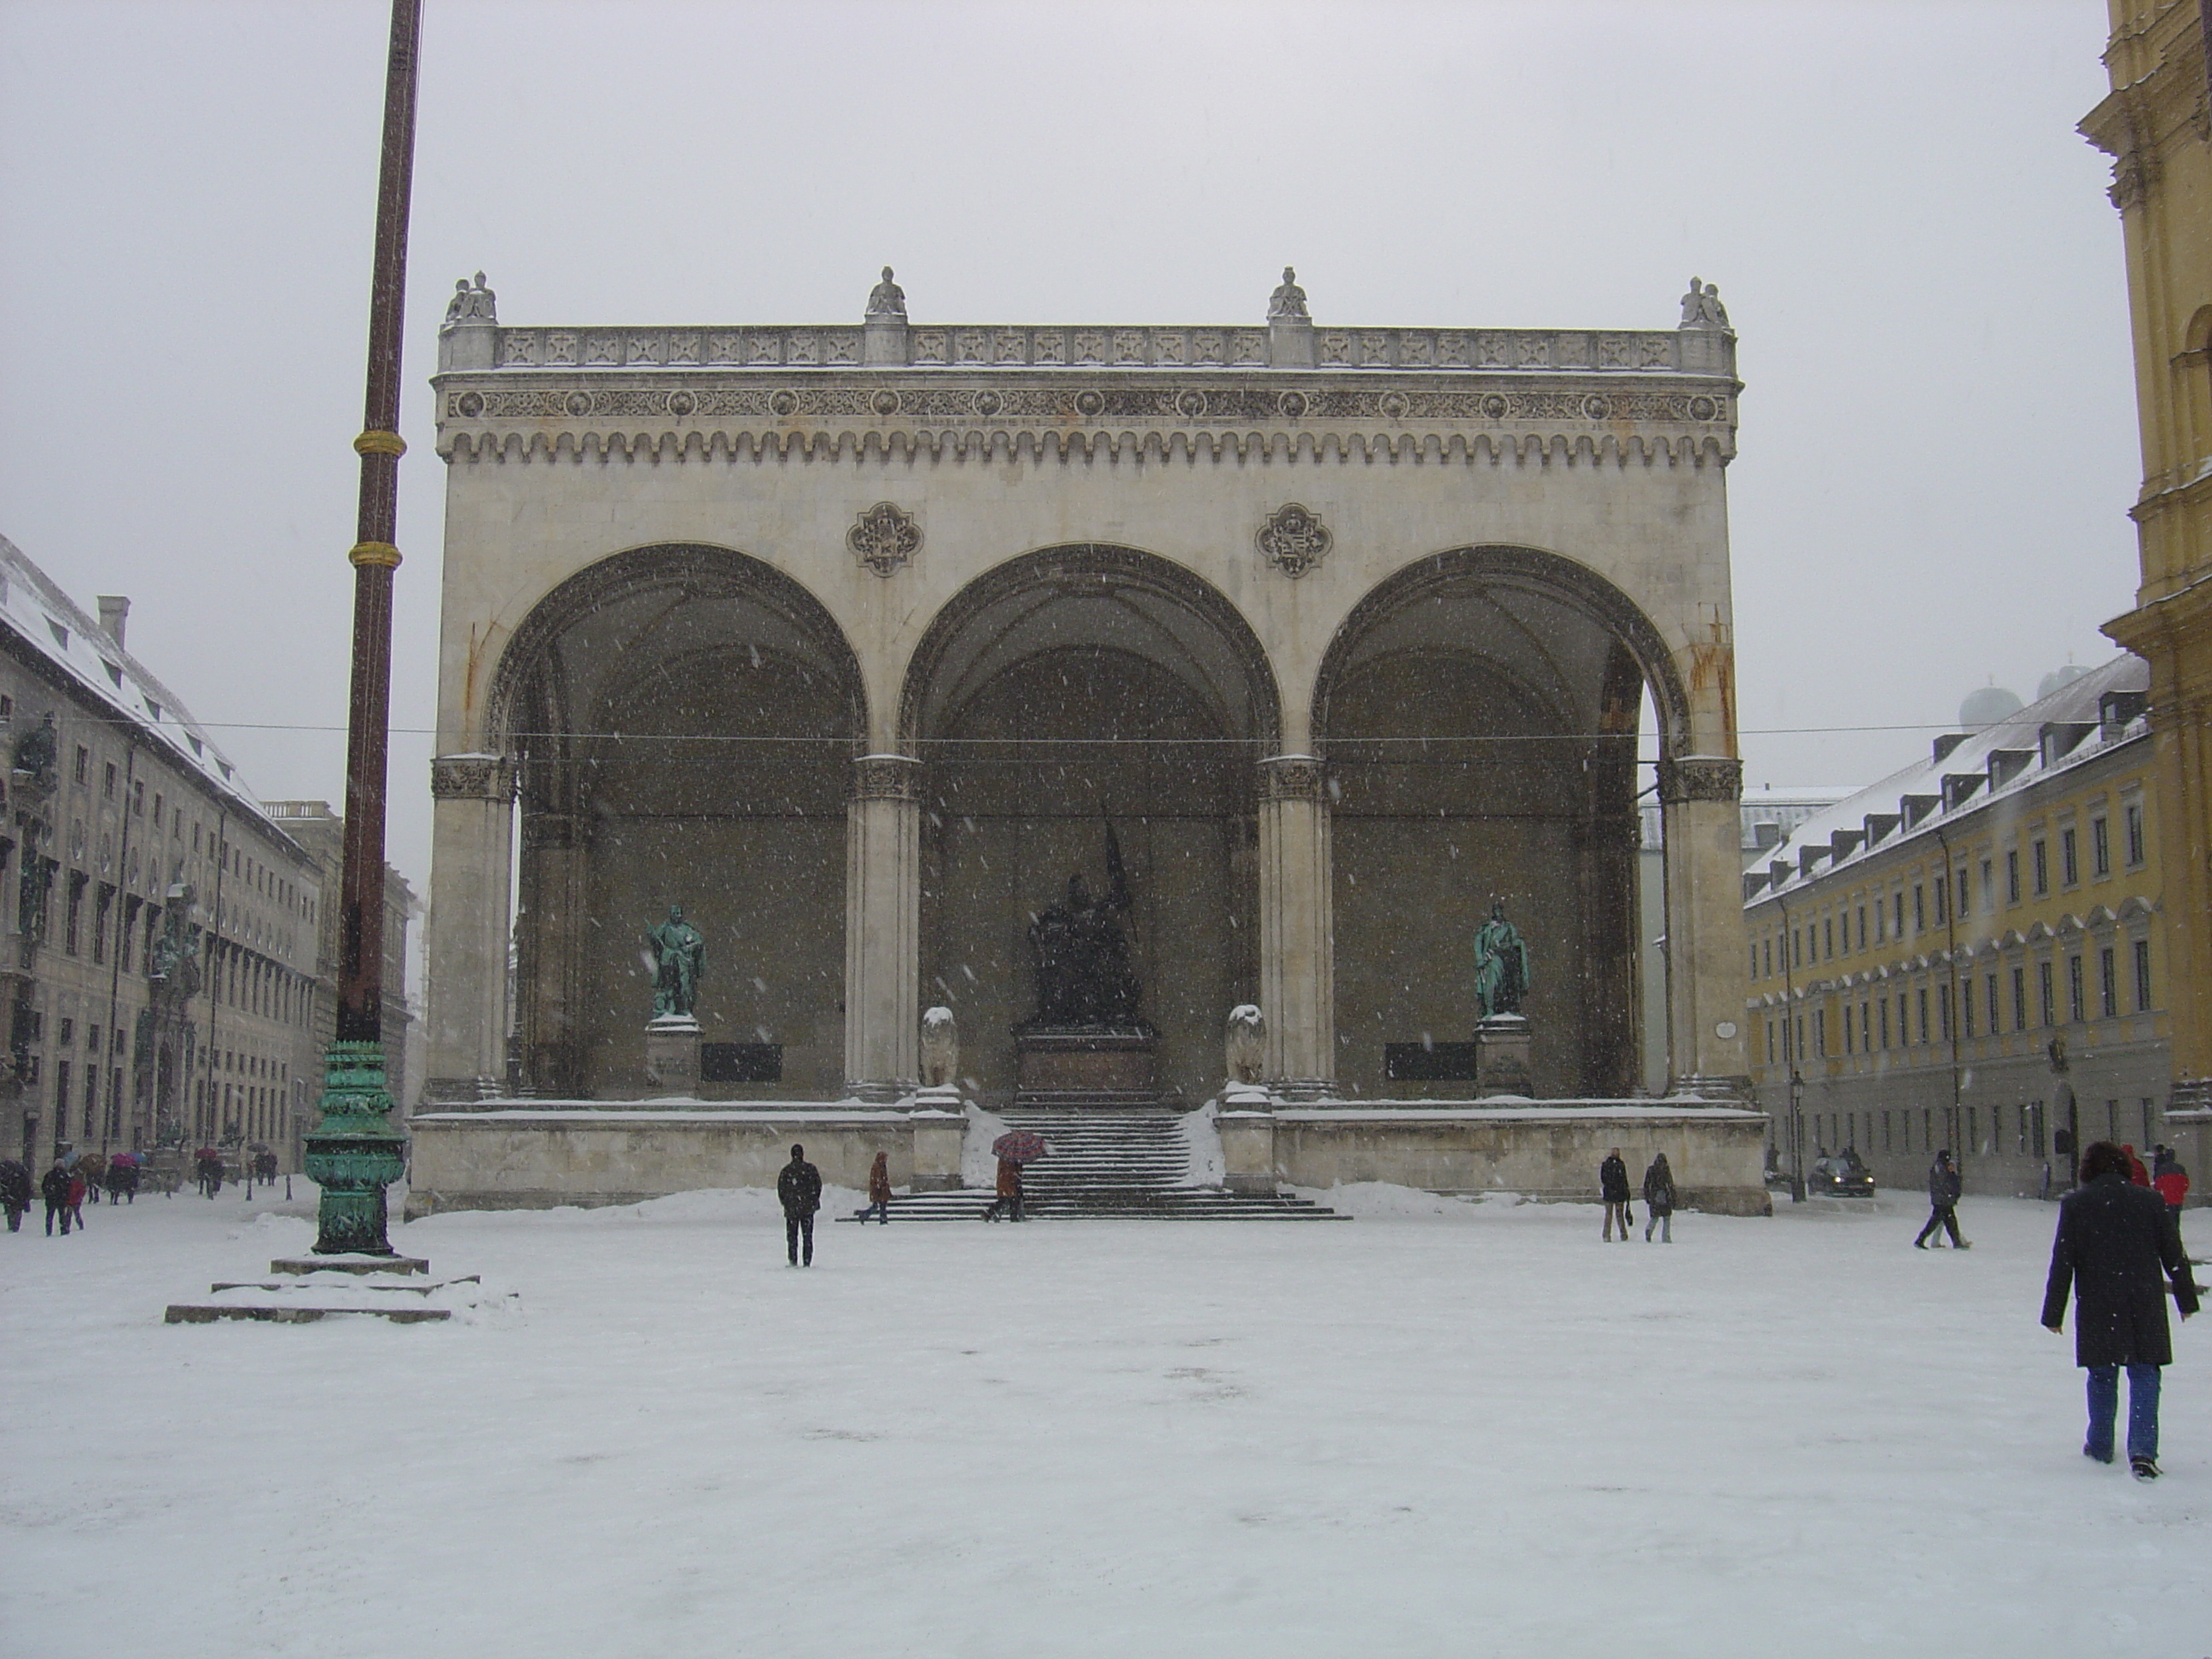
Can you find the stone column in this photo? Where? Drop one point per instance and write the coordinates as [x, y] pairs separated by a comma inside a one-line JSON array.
[[548, 963], [1699, 798], [471, 844], [882, 928], [1298, 931]]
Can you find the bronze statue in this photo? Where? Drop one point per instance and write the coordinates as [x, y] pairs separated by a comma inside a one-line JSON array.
[[1082, 973], [1501, 966], [678, 954]]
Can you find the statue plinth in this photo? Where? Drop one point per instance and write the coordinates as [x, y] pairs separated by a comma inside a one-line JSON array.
[[1077, 1060], [671, 1054], [1501, 1057]]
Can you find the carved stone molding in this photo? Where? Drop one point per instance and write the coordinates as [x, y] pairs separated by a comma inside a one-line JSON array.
[[1293, 777], [886, 777], [884, 538], [1294, 540], [472, 777], [1700, 777]]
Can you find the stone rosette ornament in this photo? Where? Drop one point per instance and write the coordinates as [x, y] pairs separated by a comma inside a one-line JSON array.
[[884, 538], [1294, 540]]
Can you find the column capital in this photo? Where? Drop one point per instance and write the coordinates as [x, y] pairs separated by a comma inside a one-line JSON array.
[[886, 777], [472, 777], [1700, 777], [1293, 777]]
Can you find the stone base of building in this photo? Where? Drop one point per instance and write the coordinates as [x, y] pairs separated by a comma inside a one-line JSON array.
[[1060, 1062], [1549, 1152], [540, 1154]]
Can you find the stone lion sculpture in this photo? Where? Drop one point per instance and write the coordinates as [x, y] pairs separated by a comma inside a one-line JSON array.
[[1246, 1042], [940, 1048]]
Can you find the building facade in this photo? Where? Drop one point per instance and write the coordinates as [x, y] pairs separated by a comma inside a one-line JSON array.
[[846, 638], [160, 928], [2157, 126], [1970, 954]]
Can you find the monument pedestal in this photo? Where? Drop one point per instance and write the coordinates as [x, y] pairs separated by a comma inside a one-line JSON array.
[[671, 1055], [1501, 1057], [1062, 1059]]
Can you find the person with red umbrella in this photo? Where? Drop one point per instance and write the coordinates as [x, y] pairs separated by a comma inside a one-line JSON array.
[[1013, 1150]]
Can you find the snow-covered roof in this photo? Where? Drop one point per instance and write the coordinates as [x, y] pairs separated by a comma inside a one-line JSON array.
[[1963, 773], [54, 627]]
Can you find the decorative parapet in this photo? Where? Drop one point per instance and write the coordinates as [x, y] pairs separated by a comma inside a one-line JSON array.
[[1537, 351]]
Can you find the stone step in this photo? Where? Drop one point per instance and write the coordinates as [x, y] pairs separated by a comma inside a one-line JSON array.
[[1171, 1204]]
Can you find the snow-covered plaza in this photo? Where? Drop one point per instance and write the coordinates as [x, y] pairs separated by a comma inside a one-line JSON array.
[[1442, 1428]]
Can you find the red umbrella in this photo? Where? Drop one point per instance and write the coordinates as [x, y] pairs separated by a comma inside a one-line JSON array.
[[1018, 1145]]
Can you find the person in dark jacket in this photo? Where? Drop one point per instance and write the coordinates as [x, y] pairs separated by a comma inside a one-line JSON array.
[[1613, 1188], [53, 1187], [2118, 1250], [1943, 1189], [799, 1189], [16, 1190], [1659, 1200]]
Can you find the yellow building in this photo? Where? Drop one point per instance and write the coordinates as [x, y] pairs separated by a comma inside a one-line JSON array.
[[1968, 954], [2154, 125]]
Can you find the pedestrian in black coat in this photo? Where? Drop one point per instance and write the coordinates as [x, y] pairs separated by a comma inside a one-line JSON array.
[[54, 1188], [16, 1191], [1943, 1188], [1659, 1200], [799, 1188], [1613, 1188], [2118, 1250]]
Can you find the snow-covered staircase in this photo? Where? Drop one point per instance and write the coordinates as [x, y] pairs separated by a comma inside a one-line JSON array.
[[1110, 1156]]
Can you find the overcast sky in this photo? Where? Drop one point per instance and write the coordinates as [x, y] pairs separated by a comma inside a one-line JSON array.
[[1938, 443]]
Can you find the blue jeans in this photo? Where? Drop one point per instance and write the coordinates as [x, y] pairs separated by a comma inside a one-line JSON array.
[[2104, 1405]]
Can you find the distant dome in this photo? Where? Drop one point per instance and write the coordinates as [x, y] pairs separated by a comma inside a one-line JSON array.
[[2059, 677], [1987, 707]]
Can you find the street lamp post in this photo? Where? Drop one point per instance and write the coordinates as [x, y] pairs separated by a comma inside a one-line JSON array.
[[354, 1153]]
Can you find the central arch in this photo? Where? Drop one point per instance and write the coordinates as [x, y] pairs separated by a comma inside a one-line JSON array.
[[1068, 684]]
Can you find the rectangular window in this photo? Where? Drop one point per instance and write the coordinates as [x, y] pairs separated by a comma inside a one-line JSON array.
[[2100, 846], [2143, 975], [82, 772], [1827, 936], [1885, 1132], [108, 781], [1923, 999], [1770, 956], [61, 1100], [1862, 928], [157, 812], [1989, 888], [138, 797], [2036, 1143], [2075, 1010], [1900, 928], [1881, 921], [101, 905], [1770, 1042], [1943, 1012], [2020, 999], [1965, 1007], [2134, 824], [1963, 895], [2012, 877], [2070, 857], [1885, 1022], [1821, 1031], [1866, 1027], [2042, 851], [1849, 1045], [1798, 1054], [1919, 912], [73, 913], [1754, 962], [1992, 983], [2046, 981], [2108, 981], [1942, 907]]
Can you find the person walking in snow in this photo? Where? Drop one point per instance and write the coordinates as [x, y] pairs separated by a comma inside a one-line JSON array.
[[879, 1191], [799, 1189], [1008, 1202], [2169, 1179], [2137, 1174], [2118, 1250], [1613, 1188], [53, 1187], [76, 1200], [16, 1191], [1659, 1200], [1944, 1187]]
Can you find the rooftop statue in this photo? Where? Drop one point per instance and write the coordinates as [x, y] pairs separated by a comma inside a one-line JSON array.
[[471, 303], [1501, 966], [678, 954], [1702, 306], [1287, 304], [1082, 973], [887, 298]]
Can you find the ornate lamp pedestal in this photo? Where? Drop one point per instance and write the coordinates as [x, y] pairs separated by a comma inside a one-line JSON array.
[[354, 1153]]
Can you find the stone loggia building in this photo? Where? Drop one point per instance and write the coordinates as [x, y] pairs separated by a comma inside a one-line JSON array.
[[845, 637]]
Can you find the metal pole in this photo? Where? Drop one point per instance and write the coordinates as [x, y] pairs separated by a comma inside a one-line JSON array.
[[355, 1153]]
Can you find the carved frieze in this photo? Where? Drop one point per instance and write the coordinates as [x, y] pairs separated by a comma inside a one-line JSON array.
[[886, 777], [1293, 539], [884, 538], [1700, 777], [472, 777]]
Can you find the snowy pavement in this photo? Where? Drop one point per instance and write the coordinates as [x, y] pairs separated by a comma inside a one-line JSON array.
[[1446, 1429]]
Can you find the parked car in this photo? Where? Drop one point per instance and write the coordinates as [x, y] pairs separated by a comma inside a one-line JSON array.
[[1840, 1174]]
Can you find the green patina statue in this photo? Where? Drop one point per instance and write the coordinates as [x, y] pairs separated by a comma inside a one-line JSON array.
[[678, 954], [1501, 966]]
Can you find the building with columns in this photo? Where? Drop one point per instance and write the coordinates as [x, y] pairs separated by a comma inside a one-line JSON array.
[[2157, 126], [852, 640]]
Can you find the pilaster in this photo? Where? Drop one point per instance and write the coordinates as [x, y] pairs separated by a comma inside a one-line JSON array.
[[882, 928], [471, 850], [1700, 799], [1298, 939]]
